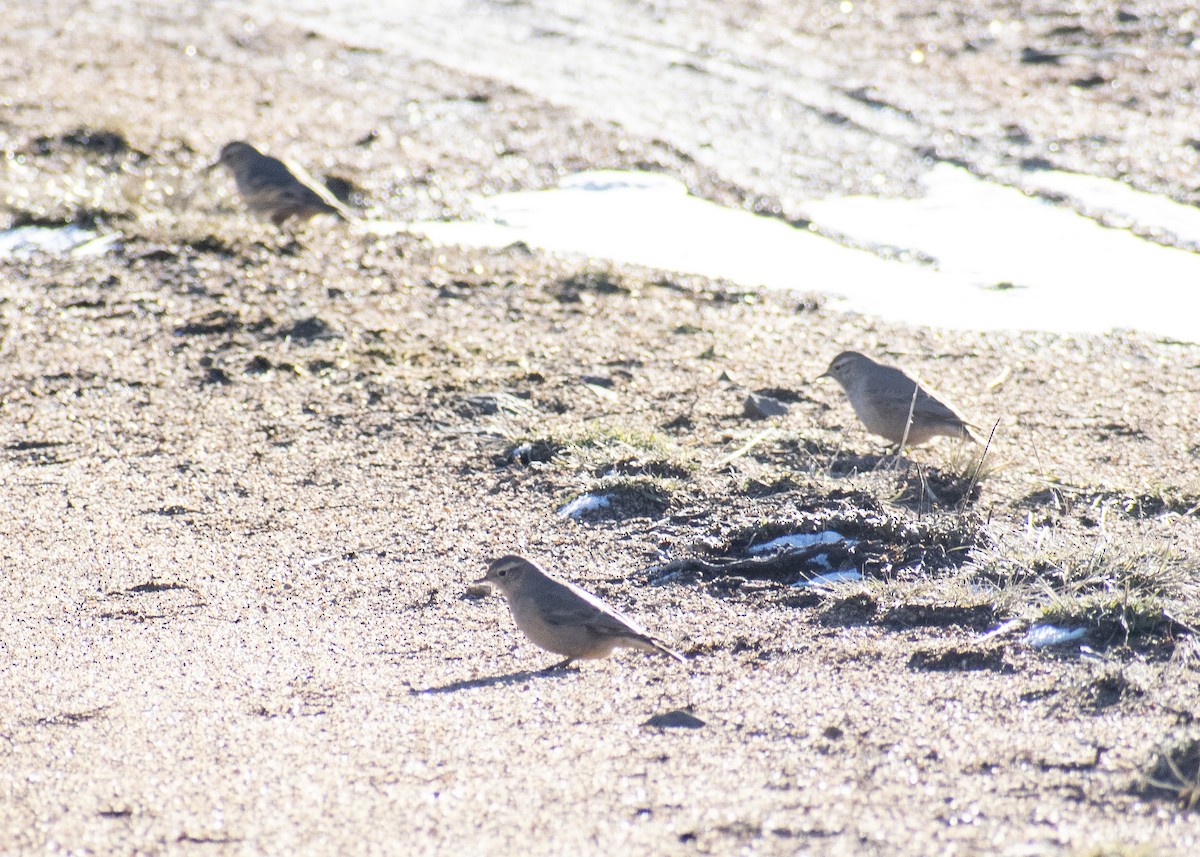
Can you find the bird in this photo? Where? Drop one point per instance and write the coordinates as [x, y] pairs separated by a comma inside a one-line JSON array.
[[277, 189], [883, 397], [563, 618]]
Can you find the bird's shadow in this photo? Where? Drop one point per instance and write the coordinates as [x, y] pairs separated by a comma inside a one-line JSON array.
[[846, 463], [494, 680]]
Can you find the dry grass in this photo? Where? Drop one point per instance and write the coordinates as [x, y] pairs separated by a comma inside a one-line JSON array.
[[1174, 773]]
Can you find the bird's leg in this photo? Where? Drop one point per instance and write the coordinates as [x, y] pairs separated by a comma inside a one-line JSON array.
[[561, 665], [895, 453]]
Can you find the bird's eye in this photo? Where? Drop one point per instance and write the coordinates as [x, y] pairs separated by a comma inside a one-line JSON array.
[[502, 572]]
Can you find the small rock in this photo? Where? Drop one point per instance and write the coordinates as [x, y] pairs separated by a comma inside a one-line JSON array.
[[1036, 56], [258, 365], [761, 407], [530, 452], [216, 375], [677, 719], [309, 329], [477, 590]]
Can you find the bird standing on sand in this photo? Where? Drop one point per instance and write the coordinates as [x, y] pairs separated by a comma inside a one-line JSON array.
[[271, 187], [564, 619], [883, 399]]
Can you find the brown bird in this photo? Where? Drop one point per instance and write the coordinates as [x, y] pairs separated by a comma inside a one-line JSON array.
[[882, 398], [564, 619], [276, 189]]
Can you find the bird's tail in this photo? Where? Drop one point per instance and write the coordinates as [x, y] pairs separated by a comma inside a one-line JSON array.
[[660, 646], [973, 433]]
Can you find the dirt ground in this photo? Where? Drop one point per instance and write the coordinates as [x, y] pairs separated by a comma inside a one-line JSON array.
[[248, 477]]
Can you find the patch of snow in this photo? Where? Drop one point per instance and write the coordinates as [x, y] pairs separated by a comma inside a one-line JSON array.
[[583, 504], [798, 540], [25, 241], [1040, 636], [846, 575]]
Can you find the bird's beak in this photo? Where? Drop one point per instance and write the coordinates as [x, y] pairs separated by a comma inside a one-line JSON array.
[[481, 581], [824, 374]]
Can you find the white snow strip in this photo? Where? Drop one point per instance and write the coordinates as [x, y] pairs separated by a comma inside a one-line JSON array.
[[1003, 259], [583, 504], [798, 540], [844, 576], [1040, 636], [24, 241]]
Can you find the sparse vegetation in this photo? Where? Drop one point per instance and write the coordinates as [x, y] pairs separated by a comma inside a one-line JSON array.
[[1122, 595], [627, 497], [603, 450], [1174, 773], [316, 437]]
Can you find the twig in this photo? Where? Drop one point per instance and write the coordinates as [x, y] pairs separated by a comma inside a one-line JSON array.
[[978, 467], [746, 447], [912, 407]]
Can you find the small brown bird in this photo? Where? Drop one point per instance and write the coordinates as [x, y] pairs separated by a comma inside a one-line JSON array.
[[276, 189], [882, 397], [564, 619]]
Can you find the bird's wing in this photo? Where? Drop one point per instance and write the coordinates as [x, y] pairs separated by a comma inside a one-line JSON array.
[[318, 188], [931, 407], [898, 389], [289, 180], [566, 604], [265, 172]]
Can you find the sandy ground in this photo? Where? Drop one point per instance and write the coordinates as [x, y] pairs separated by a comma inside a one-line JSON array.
[[248, 476]]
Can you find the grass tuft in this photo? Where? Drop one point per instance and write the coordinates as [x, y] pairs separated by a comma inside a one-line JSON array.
[[1174, 773]]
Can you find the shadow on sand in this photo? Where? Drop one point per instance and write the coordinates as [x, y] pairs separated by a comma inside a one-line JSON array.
[[495, 680]]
